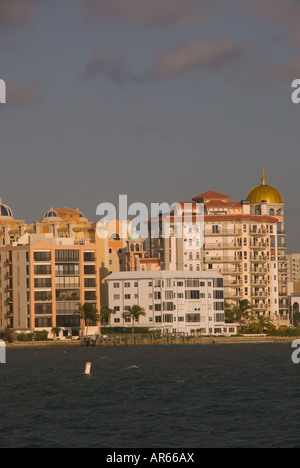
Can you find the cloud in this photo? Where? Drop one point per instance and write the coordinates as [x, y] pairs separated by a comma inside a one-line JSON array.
[[214, 56], [112, 66], [13, 13], [21, 95], [281, 13], [277, 11], [206, 56], [151, 12]]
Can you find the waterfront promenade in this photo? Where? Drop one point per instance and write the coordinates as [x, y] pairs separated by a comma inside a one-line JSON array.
[[150, 340]]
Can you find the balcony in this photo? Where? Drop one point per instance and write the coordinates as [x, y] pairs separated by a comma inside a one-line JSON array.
[[259, 258], [233, 284], [221, 246], [262, 307], [258, 245], [259, 294], [222, 260], [259, 283], [258, 232], [238, 295], [223, 232]]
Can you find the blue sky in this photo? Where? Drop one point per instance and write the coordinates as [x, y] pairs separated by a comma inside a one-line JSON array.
[[157, 99]]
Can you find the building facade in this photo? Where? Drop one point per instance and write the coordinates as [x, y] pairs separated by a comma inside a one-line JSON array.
[[243, 241], [43, 281], [174, 301]]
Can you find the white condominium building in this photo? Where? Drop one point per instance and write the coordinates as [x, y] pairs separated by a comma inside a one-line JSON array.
[[174, 301]]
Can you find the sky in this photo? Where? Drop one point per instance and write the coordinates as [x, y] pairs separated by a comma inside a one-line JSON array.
[[160, 100]]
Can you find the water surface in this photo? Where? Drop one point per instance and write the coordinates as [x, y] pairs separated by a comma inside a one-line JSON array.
[[239, 395]]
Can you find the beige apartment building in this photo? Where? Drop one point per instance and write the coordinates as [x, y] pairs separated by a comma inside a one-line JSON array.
[[293, 268], [243, 241], [43, 281]]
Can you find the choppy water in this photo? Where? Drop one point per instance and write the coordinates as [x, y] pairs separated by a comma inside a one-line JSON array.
[[155, 397]]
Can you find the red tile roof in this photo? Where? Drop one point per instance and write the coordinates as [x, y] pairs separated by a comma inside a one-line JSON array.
[[212, 195]]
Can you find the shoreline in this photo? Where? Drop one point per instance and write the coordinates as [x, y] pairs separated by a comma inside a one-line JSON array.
[[159, 342]]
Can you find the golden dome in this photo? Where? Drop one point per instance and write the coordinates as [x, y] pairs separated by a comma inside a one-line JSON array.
[[264, 192]]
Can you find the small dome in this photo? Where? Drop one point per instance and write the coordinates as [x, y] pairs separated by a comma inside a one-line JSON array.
[[134, 236], [264, 192], [51, 214], [5, 211]]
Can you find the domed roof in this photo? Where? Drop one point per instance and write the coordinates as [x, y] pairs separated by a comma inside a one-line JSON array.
[[134, 236], [5, 211], [51, 214], [264, 192]]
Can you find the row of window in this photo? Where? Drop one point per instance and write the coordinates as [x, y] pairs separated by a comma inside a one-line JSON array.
[[61, 255], [165, 306], [169, 318], [169, 283], [64, 282]]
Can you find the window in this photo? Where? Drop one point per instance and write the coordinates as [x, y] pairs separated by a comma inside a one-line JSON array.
[[218, 295], [90, 295], [192, 294], [42, 256], [168, 306], [89, 270], [169, 295], [116, 285], [41, 269], [219, 318], [89, 282], [192, 318], [89, 256], [168, 318], [67, 255], [218, 283], [42, 282]]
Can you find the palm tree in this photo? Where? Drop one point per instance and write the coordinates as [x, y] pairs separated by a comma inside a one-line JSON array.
[[105, 314], [87, 313], [229, 313], [261, 323], [55, 331], [240, 312], [133, 313]]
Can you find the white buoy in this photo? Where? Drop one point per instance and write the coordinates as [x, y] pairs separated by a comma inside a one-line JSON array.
[[88, 368]]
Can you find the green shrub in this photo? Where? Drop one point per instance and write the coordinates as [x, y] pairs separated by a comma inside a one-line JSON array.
[[7, 335]]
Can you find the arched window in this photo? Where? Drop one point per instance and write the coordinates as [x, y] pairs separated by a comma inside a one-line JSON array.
[[296, 307], [272, 212], [279, 212], [258, 210]]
